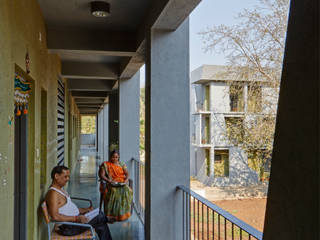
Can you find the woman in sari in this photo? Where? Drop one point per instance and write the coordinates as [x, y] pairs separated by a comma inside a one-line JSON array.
[[117, 195]]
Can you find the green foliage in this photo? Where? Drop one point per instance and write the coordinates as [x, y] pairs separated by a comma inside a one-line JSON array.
[[142, 122], [88, 124]]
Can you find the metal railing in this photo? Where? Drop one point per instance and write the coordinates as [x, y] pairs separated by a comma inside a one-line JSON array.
[[204, 220], [138, 168]]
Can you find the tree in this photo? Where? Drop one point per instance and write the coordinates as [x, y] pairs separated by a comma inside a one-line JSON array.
[[254, 50], [142, 124]]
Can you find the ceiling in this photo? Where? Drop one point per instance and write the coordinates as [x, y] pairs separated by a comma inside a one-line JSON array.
[[125, 15], [98, 52]]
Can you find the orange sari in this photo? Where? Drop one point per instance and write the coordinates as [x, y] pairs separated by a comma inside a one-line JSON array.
[[117, 200], [116, 172]]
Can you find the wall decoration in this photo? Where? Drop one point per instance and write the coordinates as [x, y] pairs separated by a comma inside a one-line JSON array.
[[22, 89]]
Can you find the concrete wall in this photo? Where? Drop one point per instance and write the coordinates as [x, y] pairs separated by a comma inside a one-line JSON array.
[[219, 97], [22, 29], [89, 139]]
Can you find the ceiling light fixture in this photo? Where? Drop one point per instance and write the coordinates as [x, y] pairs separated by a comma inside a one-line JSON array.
[[100, 9]]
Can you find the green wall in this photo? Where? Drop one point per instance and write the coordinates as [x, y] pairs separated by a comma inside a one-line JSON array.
[[22, 29]]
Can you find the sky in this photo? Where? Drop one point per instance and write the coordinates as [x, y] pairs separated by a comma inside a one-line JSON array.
[[209, 13]]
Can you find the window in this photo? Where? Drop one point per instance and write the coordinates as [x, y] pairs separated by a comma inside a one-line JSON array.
[[207, 98], [236, 97], [254, 98], [235, 129], [207, 130], [207, 151], [221, 163], [60, 122]]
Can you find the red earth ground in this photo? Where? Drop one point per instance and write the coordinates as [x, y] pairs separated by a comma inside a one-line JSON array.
[[251, 211], [246, 203]]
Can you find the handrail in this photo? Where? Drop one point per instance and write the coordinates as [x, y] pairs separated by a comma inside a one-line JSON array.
[[242, 225], [137, 160], [138, 169]]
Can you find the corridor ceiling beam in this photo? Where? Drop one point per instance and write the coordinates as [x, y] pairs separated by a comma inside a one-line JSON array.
[[90, 70], [89, 100], [164, 15], [89, 85], [88, 105], [129, 66], [91, 94], [174, 13], [108, 43]]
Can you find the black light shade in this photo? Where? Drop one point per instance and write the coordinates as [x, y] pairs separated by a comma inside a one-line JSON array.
[[100, 9]]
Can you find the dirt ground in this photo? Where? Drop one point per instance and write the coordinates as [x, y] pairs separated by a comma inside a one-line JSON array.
[[251, 211], [246, 203]]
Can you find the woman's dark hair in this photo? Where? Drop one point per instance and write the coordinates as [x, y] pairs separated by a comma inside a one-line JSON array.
[[57, 169], [114, 152]]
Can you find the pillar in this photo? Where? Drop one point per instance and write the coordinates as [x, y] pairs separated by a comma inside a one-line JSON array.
[[113, 119], [129, 116], [167, 130], [293, 198]]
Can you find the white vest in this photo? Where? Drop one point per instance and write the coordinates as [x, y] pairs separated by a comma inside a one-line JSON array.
[[69, 209]]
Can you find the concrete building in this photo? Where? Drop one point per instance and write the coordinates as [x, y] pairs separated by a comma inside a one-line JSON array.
[[214, 159], [75, 63]]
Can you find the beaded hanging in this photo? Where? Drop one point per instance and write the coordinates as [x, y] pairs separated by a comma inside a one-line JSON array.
[[22, 89]]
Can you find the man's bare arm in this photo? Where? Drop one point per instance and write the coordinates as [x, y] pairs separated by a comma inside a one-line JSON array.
[[85, 210]]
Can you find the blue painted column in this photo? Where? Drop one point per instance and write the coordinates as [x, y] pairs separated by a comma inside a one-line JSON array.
[[129, 118], [167, 130], [113, 115]]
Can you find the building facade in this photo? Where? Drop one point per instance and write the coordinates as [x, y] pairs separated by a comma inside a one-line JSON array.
[[217, 103]]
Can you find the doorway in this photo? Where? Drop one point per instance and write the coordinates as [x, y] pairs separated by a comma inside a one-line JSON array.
[[20, 176], [23, 104]]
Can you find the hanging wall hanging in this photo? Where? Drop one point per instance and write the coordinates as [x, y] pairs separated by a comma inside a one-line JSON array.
[[22, 89]]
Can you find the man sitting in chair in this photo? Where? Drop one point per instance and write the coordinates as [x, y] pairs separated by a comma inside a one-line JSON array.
[[62, 209]]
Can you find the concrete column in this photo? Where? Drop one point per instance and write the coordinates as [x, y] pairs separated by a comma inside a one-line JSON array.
[[167, 131], [113, 118], [129, 105], [200, 128], [293, 198], [97, 133], [100, 131], [105, 141]]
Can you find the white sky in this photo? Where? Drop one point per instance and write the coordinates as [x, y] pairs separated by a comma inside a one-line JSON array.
[[209, 13]]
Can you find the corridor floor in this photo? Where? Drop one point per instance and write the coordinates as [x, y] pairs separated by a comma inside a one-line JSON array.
[[84, 183]]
